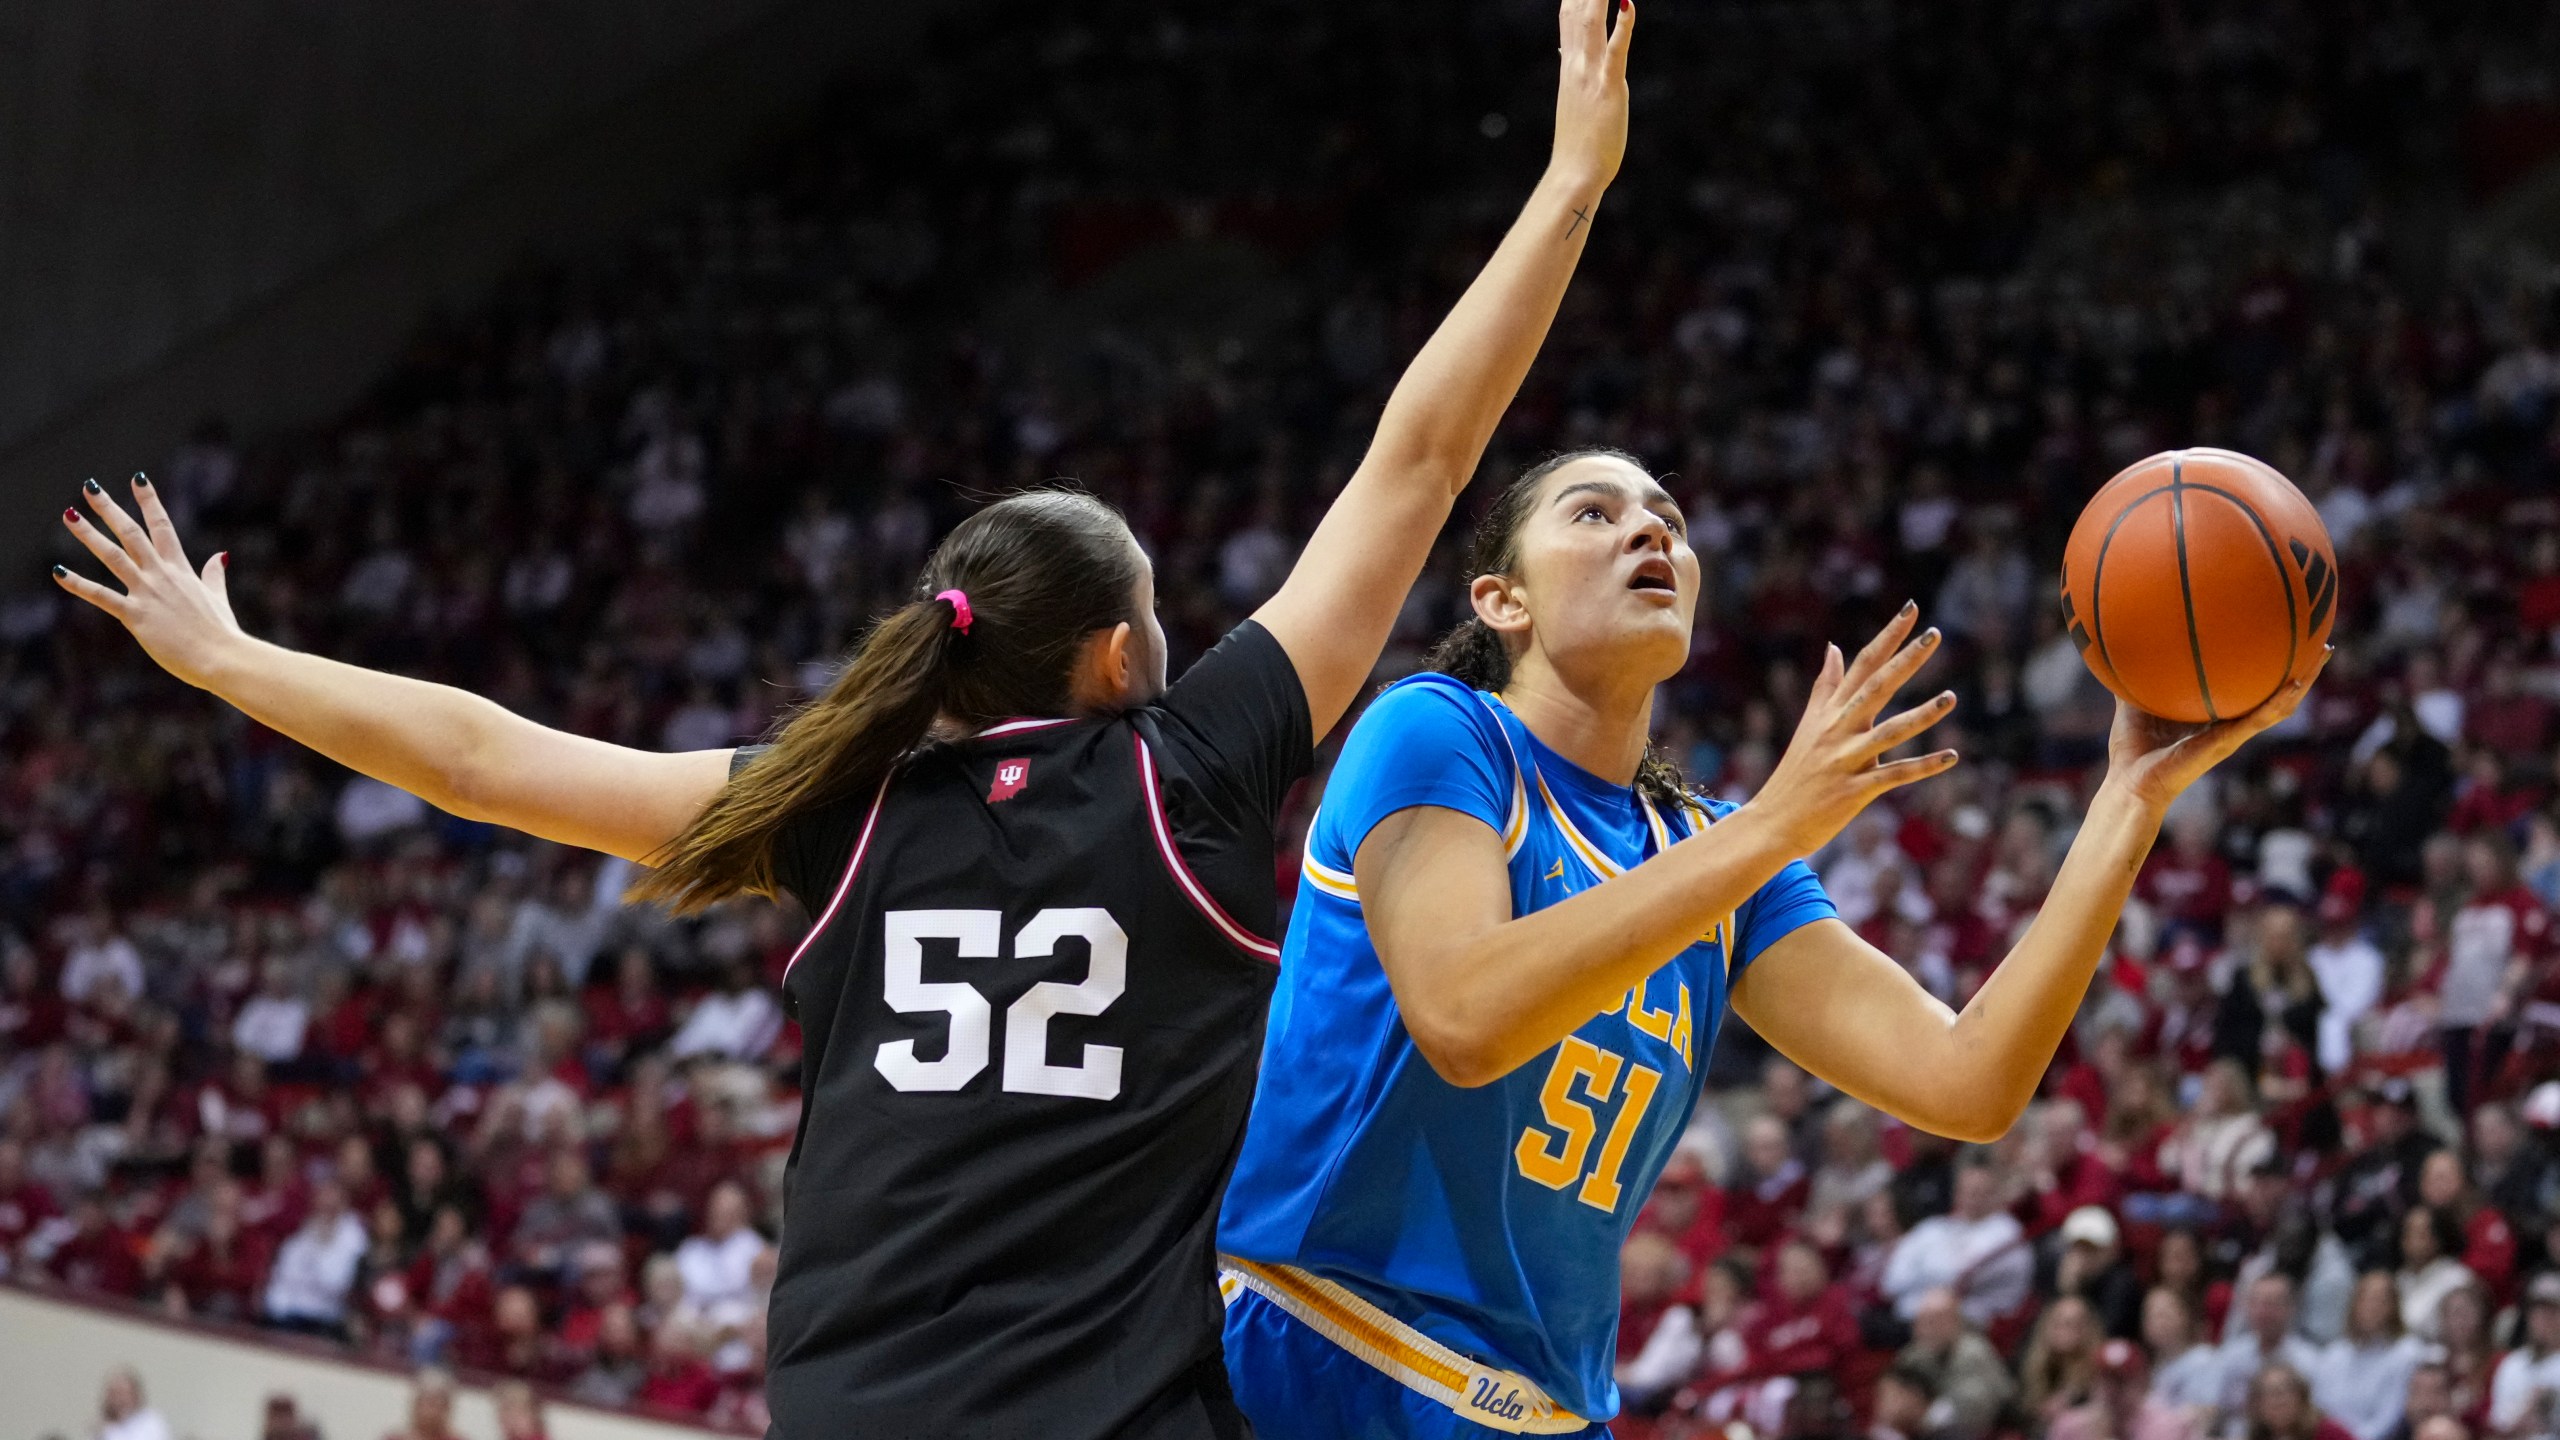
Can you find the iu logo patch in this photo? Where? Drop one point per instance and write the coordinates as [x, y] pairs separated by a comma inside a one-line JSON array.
[[1011, 776]]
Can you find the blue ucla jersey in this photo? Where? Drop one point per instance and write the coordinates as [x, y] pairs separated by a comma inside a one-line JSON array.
[[1488, 1219]]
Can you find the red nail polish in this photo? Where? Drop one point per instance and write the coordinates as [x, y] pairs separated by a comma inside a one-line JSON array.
[[70, 512], [223, 559]]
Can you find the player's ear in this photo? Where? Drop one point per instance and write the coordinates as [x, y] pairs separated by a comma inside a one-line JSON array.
[[1105, 667], [1500, 604]]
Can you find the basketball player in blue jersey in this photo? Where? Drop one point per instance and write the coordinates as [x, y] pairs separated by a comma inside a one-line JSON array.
[[1515, 941]]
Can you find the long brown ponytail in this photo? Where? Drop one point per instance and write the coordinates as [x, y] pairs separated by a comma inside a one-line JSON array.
[[1476, 653], [1042, 570]]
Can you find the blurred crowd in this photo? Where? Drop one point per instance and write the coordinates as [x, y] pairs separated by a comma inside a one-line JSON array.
[[125, 1412], [1883, 293]]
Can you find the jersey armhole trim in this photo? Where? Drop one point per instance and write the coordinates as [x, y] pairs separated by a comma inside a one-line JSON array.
[[1515, 828], [1016, 727], [844, 886], [1236, 934]]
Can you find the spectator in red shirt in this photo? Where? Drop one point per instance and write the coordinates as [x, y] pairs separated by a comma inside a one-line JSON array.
[[32, 1014], [277, 1203], [2488, 1241], [680, 1379], [341, 1024], [515, 1342], [452, 1284], [676, 1190], [1658, 1337], [219, 1270], [399, 1057], [2538, 598], [2185, 1032], [354, 1169], [2486, 797], [1764, 1206], [95, 1254], [629, 1015], [1688, 1210], [2505, 718], [2188, 883], [1803, 1326], [602, 1283], [2066, 1171], [2141, 1116]]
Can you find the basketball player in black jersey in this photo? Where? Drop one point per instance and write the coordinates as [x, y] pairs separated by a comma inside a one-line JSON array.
[[1040, 881]]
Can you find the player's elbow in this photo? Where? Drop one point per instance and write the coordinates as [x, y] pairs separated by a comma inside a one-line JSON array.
[[1457, 1049], [466, 785], [1967, 1119], [1973, 1129], [1465, 1066], [474, 776]]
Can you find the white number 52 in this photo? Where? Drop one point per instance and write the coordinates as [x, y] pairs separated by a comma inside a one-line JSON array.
[[1027, 1069]]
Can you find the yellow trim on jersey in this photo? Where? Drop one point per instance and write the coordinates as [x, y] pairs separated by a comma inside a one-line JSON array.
[[1597, 861], [1653, 820], [1592, 856], [1721, 933], [1400, 1352], [1515, 830], [1339, 884]]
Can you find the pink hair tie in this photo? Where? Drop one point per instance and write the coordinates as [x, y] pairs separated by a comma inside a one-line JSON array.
[[960, 616]]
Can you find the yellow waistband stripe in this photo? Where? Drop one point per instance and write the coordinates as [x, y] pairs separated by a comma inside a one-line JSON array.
[[1400, 1352]]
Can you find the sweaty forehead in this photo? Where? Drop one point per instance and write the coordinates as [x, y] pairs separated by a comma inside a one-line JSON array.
[[1610, 475]]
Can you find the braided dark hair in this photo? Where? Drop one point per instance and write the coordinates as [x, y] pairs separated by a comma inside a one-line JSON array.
[[1477, 654]]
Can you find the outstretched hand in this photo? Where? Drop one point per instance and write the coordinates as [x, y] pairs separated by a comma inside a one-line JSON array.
[[181, 615], [1591, 90], [1834, 766], [2157, 759]]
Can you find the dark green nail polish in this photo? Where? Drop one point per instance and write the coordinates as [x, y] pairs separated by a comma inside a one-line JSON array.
[[141, 479], [59, 572], [91, 486]]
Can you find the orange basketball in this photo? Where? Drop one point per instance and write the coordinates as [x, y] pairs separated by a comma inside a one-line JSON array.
[[2197, 583]]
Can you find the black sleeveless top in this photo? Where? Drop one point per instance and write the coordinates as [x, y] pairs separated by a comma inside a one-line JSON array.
[[1032, 1005]]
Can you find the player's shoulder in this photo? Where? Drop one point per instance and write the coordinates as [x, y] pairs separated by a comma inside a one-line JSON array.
[[1431, 700], [1424, 723]]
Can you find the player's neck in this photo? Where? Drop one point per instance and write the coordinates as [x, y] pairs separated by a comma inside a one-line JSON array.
[[1601, 727]]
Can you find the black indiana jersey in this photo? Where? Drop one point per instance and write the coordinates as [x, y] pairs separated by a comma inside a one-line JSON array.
[[1032, 1006]]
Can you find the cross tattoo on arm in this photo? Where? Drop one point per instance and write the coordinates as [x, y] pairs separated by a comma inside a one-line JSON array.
[[1579, 215]]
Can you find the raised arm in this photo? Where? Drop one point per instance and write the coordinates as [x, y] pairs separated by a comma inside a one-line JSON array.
[[1334, 613], [1845, 1011], [458, 752]]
